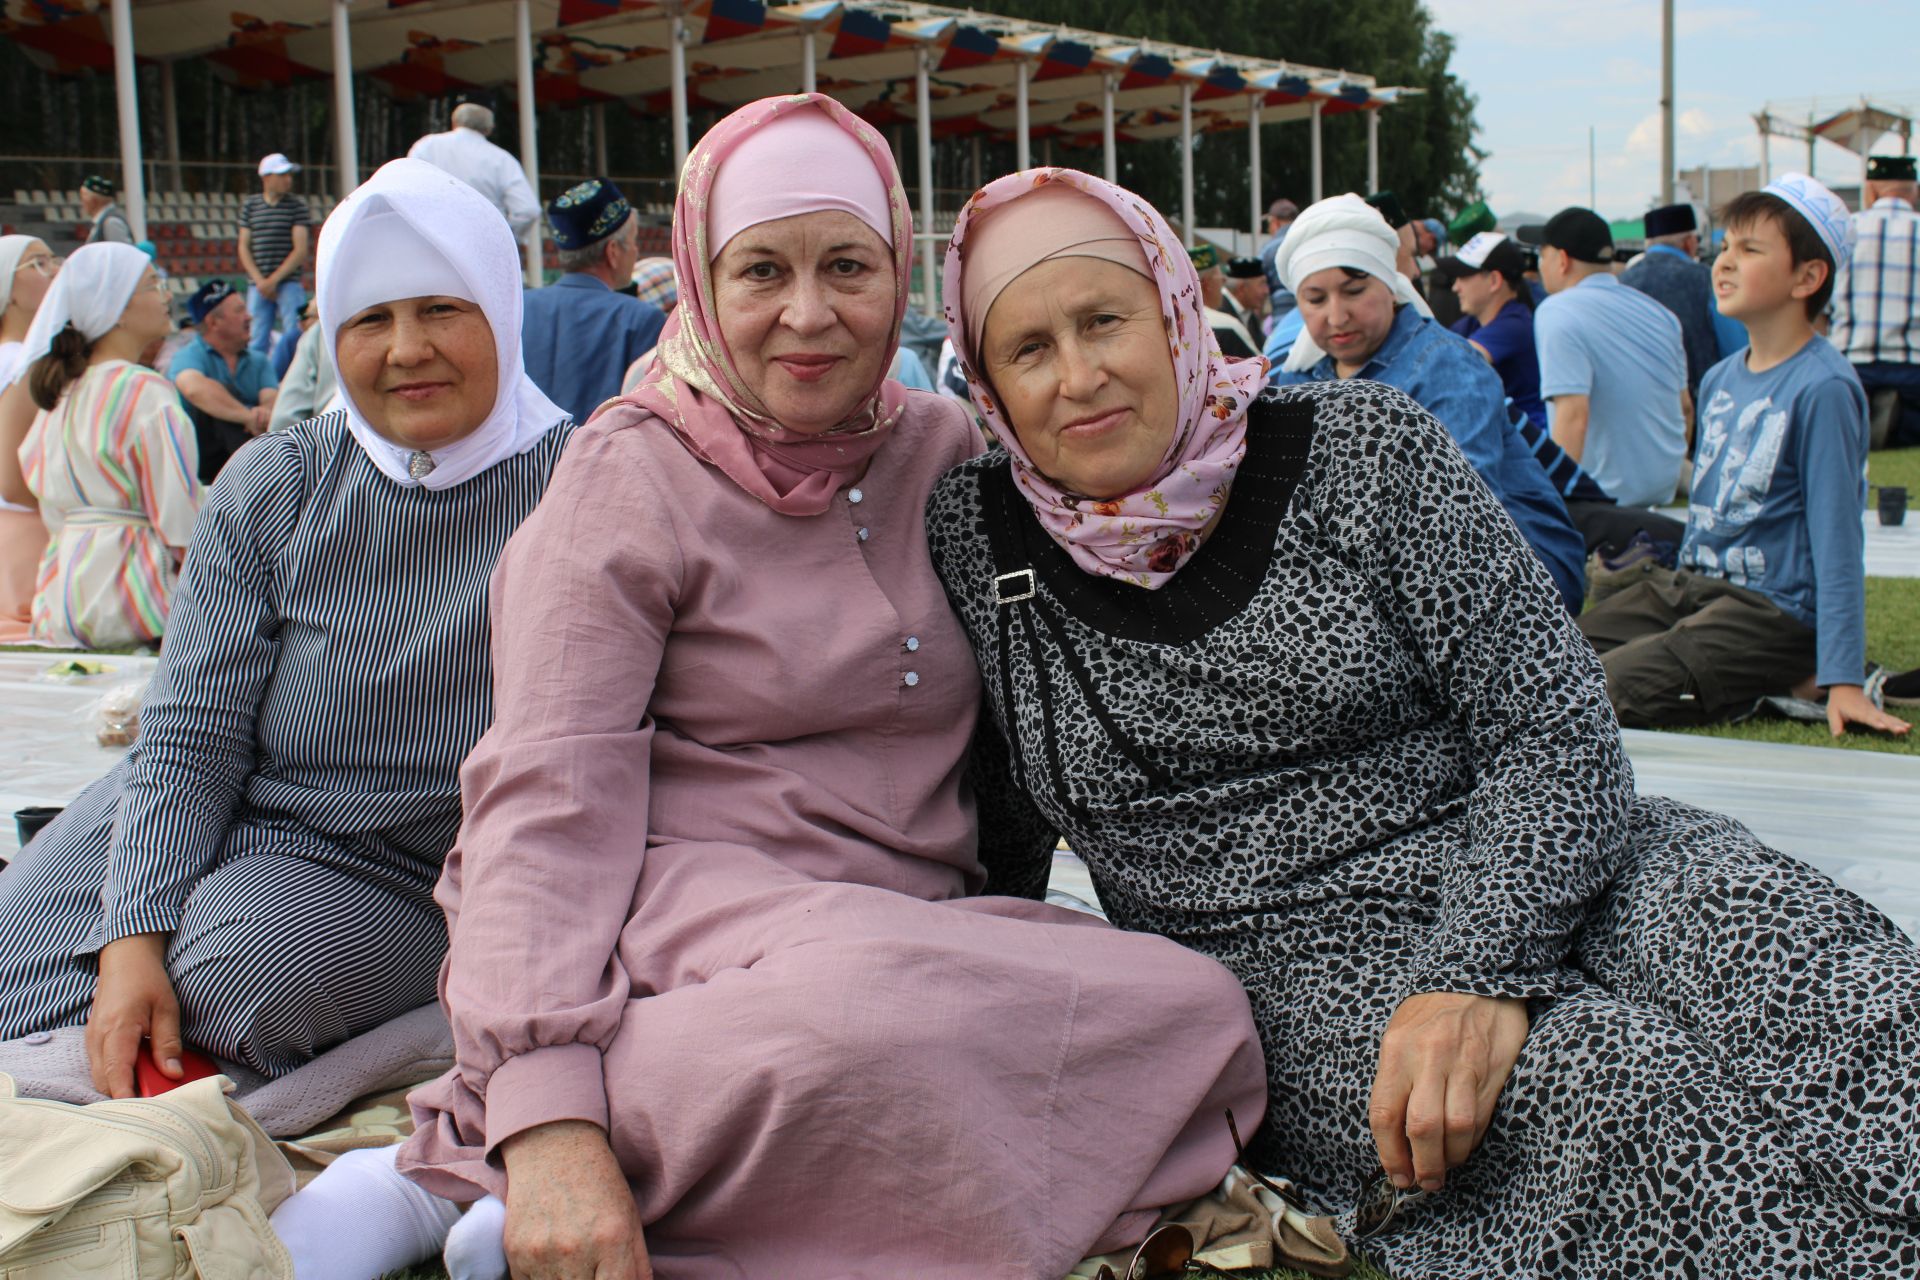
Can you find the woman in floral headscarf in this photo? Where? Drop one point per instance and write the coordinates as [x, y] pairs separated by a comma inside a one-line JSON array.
[[1288, 678], [717, 994]]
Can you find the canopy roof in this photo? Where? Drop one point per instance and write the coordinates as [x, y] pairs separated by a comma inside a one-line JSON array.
[[865, 54]]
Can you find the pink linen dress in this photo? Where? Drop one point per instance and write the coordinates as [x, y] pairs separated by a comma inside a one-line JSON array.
[[710, 894]]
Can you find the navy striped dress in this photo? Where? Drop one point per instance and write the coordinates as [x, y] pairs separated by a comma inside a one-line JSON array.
[[295, 787]]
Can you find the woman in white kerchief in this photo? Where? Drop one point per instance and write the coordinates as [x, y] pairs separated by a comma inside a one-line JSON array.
[[27, 269], [256, 878]]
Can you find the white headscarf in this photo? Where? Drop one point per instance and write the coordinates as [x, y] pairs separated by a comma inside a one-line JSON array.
[[1344, 231], [12, 249], [411, 231], [90, 293]]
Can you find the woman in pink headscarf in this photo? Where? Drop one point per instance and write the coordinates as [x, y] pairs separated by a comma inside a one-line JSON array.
[[721, 1002], [1280, 667]]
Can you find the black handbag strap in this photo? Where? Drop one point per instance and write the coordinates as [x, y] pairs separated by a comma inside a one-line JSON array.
[[1016, 588]]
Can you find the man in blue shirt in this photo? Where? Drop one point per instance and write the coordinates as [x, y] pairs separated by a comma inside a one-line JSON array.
[[1280, 216], [1671, 274], [228, 386], [1613, 369], [580, 334], [1771, 592]]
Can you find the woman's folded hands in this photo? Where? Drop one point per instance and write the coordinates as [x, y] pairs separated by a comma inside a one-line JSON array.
[[570, 1213], [1444, 1059]]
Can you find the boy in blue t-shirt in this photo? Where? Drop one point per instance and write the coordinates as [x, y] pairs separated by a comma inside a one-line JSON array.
[[1771, 590]]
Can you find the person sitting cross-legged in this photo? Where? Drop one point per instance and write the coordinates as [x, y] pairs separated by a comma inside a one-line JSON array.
[[255, 879], [1771, 589], [229, 387]]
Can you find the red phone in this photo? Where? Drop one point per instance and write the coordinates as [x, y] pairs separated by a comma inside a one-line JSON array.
[[150, 1082]]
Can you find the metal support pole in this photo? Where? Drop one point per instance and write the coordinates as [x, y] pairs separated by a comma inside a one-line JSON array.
[[1186, 164], [809, 82], [127, 92], [170, 111], [1373, 150], [1022, 145], [1766, 151], [978, 170], [346, 135], [1813, 143], [1110, 153], [600, 139], [529, 133], [679, 74], [1666, 102], [1319, 183], [1253, 164], [923, 136]]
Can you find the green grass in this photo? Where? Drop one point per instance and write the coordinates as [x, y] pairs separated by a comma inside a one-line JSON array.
[[1895, 466]]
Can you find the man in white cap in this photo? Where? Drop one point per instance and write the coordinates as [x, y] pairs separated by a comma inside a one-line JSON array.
[[465, 152], [275, 231]]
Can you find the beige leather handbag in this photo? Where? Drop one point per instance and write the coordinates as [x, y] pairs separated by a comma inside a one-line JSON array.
[[176, 1186]]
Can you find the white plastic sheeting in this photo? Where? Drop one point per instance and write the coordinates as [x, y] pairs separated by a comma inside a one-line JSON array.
[[1853, 814]]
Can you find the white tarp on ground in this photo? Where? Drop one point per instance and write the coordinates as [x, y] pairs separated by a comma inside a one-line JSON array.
[[1853, 814]]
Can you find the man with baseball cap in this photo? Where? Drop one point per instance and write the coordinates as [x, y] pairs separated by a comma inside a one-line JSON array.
[[1876, 304], [274, 241], [228, 386], [1488, 276], [97, 202], [1233, 337], [1613, 371], [1671, 273], [1280, 216]]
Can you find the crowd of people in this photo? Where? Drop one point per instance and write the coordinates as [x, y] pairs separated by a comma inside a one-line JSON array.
[[640, 667]]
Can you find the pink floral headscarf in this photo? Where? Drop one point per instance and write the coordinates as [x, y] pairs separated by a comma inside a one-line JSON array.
[[694, 384], [1143, 537]]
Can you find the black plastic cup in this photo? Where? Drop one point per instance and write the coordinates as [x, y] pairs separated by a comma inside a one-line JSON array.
[[29, 821], [1893, 504]]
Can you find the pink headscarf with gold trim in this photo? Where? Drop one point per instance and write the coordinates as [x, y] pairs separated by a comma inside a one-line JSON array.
[[694, 384], [1143, 537]]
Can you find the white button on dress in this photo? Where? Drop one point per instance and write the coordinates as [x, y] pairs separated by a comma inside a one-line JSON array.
[[913, 644], [854, 495], [911, 679]]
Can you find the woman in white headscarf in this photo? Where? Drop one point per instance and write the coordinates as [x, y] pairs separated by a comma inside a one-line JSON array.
[[27, 269], [256, 878], [1364, 320], [110, 458]]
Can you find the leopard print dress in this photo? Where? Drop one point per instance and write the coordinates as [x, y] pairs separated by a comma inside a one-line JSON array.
[[1355, 750]]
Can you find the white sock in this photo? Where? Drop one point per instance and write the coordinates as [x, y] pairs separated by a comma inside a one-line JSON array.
[[477, 1246], [360, 1219]]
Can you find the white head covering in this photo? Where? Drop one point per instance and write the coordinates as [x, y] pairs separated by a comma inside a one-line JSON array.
[[12, 249], [411, 231], [1344, 231], [90, 293], [1823, 210]]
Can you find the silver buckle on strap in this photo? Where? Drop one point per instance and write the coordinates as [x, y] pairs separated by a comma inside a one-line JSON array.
[[1006, 585]]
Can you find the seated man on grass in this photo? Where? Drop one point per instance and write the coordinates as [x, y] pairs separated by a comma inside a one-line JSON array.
[[228, 386], [1770, 596]]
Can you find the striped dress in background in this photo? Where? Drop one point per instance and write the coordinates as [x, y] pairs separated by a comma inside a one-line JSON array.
[[296, 787], [114, 465]]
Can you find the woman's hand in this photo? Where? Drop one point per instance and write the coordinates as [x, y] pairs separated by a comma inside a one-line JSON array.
[[570, 1213], [1444, 1059], [133, 999]]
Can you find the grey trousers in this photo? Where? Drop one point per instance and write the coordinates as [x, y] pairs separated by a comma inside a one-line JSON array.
[[1686, 649]]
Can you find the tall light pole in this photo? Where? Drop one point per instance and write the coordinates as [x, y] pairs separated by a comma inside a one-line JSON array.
[[1666, 102]]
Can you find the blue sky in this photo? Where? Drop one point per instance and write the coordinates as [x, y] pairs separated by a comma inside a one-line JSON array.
[[1544, 70]]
